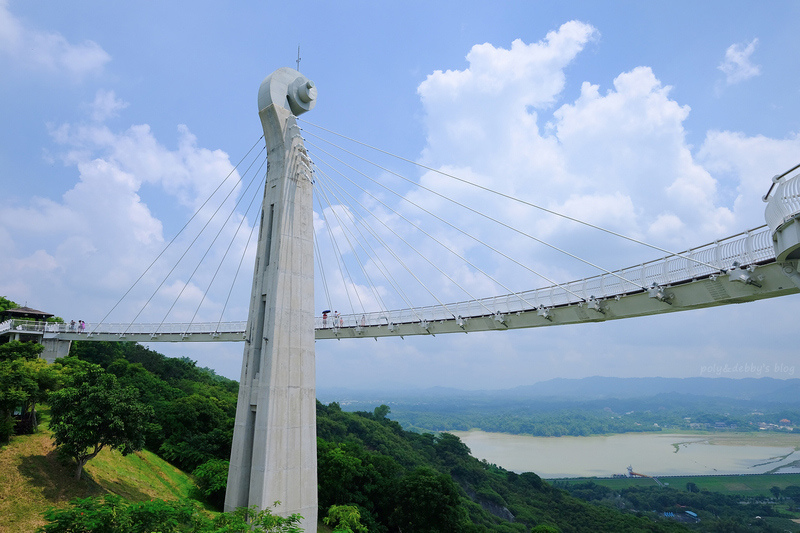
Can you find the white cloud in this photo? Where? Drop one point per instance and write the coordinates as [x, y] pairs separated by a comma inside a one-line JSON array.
[[106, 105], [50, 51], [748, 164], [93, 242], [737, 65], [617, 158]]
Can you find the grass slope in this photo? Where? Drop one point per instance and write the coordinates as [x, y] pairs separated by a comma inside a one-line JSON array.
[[34, 479]]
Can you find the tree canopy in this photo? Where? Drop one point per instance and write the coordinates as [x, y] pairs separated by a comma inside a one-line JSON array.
[[24, 381], [93, 411]]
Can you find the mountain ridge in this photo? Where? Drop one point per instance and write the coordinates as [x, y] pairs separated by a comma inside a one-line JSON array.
[[765, 389]]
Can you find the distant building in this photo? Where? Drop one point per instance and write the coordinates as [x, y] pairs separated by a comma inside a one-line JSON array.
[[30, 325], [24, 312]]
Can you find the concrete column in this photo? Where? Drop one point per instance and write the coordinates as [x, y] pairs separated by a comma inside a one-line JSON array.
[[55, 349], [274, 451]]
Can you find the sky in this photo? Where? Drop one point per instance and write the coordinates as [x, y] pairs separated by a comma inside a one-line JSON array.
[[664, 121]]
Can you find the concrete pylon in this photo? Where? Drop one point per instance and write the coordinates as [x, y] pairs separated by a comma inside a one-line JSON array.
[[274, 451]]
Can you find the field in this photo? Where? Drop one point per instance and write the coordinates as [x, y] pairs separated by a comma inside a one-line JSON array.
[[743, 485]]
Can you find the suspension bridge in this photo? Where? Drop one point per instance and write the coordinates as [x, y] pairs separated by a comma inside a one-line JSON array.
[[274, 449], [737, 269]]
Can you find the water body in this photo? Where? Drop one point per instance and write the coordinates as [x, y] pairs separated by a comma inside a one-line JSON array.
[[654, 454]]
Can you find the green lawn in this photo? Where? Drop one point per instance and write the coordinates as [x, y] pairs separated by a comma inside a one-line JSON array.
[[746, 485], [34, 478]]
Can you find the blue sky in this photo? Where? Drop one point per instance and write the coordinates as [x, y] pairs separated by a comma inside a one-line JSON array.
[[665, 119]]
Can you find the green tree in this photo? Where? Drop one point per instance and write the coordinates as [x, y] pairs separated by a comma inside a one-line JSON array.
[[112, 514], [792, 492], [692, 487], [88, 514], [427, 501], [212, 480], [244, 520], [14, 350], [6, 304], [545, 529], [94, 412], [338, 471], [24, 381], [381, 412], [196, 428], [345, 519]]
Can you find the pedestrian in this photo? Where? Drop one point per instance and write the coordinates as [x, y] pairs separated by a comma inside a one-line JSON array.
[[81, 325], [336, 319], [363, 321], [324, 319], [72, 325]]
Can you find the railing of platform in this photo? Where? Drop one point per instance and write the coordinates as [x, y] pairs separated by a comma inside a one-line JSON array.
[[784, 204], [29, 326], [746, 248], [175, 328]]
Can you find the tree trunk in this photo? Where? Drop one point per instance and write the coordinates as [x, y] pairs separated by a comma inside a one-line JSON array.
[[79, 470], [83, 459]]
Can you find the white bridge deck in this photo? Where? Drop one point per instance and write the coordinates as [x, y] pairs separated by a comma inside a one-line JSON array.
[[742, 268]]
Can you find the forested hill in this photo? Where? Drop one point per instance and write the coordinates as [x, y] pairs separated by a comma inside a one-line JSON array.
[[421, 482], [400, 480], [764, 388], [590, 406]]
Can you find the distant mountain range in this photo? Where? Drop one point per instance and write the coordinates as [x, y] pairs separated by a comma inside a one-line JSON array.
[[763, 389]]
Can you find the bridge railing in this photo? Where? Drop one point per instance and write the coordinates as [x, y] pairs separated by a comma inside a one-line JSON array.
[[174, 328], [785, 201], [28, 326], [747, 248], [124, 329]]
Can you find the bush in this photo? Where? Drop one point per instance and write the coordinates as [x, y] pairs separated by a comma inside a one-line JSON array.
[[212, 480]]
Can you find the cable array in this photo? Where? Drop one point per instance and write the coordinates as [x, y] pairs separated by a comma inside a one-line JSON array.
[[224, 201], [336, 178], [381, 239]]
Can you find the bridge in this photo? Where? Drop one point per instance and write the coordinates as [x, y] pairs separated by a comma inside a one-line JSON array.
[[273, 454], [737, 269]]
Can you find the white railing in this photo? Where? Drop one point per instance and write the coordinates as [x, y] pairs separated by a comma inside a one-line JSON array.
[[175, 328], [28, 326], [784, 203], [747, 248], [124, 329]]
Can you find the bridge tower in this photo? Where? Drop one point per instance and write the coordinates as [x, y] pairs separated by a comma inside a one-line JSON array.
[[274, 451]]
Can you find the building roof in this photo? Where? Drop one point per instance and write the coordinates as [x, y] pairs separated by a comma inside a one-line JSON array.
[[26, 312]]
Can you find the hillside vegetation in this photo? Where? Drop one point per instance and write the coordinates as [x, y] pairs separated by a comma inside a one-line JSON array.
[[594, 406], [396, 480], [34, 478]]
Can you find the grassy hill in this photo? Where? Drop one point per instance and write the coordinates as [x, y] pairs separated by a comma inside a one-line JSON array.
[[34, 479]]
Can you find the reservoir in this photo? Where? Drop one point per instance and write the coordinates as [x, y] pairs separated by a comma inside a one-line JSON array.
[[653, 454]]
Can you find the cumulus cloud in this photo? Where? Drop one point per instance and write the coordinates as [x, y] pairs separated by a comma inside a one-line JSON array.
[[614, 157], [737, 65], [32, 48], [617, 158], [90, 245]]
